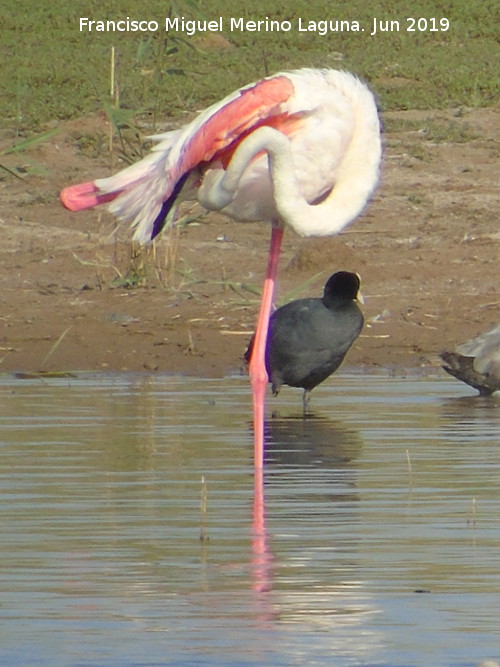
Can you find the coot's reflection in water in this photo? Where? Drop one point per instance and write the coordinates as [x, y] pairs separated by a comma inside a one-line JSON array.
[[310, 440]]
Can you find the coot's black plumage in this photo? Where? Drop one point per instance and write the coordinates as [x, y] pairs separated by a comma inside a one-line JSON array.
[[309, 338], [477, 362]]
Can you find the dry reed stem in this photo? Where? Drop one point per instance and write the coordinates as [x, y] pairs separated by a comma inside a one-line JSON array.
[[203, 511], [55, 346]]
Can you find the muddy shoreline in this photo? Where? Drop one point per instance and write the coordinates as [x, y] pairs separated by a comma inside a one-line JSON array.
[[76, 296]]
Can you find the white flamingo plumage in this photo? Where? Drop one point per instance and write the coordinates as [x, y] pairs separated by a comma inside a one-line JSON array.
[[299, 149]]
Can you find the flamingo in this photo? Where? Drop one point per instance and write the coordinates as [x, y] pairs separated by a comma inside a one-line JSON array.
[[299, 149]]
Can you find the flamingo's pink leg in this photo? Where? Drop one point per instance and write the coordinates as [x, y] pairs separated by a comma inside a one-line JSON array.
[[257, 368]]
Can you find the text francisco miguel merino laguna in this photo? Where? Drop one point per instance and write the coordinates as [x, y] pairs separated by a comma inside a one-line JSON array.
[[191, 27]]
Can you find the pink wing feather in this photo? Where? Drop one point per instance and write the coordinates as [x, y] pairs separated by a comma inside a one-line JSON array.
[[255, 103], [141, 190]]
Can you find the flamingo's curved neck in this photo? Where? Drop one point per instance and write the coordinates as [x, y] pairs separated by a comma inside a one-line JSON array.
[[356, 179]]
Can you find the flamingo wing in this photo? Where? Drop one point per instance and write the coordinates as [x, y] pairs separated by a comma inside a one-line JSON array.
[[146, 191]]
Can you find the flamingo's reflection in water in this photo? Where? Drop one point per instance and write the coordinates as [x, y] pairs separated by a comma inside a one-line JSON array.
[[314, 457]]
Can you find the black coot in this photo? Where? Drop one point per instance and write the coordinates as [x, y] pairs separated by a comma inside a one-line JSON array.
[[309, 338], [477, 362]]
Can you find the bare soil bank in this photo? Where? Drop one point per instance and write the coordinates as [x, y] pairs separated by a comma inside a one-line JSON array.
[[426, 249]]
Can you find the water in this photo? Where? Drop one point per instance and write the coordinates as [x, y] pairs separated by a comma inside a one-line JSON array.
[[379, 545]]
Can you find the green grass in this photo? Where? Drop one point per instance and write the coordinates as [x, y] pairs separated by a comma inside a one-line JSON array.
[[434, 129], [450, 131], [52, 71]]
